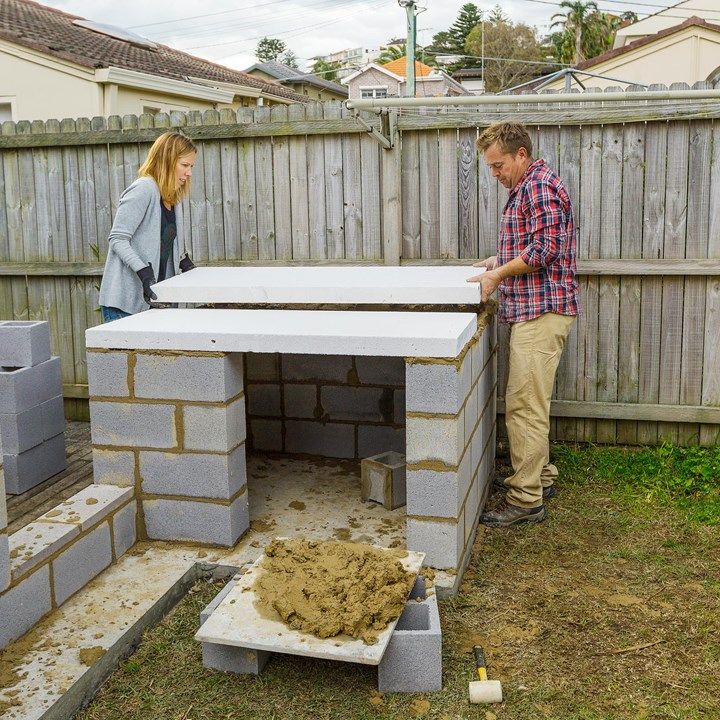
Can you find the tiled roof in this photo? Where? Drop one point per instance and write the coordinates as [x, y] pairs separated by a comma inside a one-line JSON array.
[[399, 67], [52, 32], [289, 76]]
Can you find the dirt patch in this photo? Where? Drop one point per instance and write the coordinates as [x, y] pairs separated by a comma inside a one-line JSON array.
[[328, 588], [88, 656]]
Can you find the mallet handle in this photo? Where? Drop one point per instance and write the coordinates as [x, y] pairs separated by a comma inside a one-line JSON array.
[[480, 664]]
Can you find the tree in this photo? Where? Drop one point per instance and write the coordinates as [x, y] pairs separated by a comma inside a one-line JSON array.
[[270, 49], [390, 53], [290, 59], [507, 44], [452, 41], [326, 70]]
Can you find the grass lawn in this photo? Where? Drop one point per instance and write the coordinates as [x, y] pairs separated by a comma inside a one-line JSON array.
[[609, 610]]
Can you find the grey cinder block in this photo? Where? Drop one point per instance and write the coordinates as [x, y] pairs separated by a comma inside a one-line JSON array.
[[193, 474], [262, 366], [107, 374], [327, 368], [204, 522], [22, 606], [114, 467], [3, 504], [24, 343], [356, 403], [36, 542], [4, 561], [380, 370], [263, 399], [189, 377], [382, 479], [329, 440], [373, 439], [435, 438], [442, 542], [81, 562], [53, 417], [124, 529], [89, 507], [22, 431], [437, 388], [266, 435], [133, 424], [228, 658], [26, 387], [433, 493], [212, 428], [300, 401], [413, 659], [30, 468]]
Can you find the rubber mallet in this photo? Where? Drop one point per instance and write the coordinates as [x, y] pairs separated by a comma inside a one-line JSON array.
[[484, 690]]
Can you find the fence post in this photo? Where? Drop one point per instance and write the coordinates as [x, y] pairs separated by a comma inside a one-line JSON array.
[[391, 201]]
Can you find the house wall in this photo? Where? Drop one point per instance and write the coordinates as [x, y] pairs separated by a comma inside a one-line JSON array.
[[372, 78], [689, 57]]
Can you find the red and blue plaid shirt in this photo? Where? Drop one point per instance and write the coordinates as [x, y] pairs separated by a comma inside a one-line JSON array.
[[538, 226]]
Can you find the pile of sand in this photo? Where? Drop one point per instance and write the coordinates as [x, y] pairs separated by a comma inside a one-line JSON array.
[[327, 588]]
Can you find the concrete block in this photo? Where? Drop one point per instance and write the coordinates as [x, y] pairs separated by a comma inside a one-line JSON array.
[[413, 659], [81, 562], [363, 404], [432, 493], [193, 474], [262, 366], [212, 605], [382, 479], [399, 407], [380, 370], [30, 468], [23, 605], [478, 357], [124, 529], [472, 509], [471, 414], [437, 388], [263, 399], [53, 417], [114, 467], [22, 431], [3, 504], [203, 522], [5, 567], [108, 374], [133, 424], [300, 401], [266, 435], [88, 507], [442, 542], [36, 542], [211, 378], [435, 439], [374, 439], [329, 440], [210, 428], [23, 388], [24, 343], [228, 658], [321, 368]]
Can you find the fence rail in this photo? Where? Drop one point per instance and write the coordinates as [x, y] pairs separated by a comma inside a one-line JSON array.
[[311, 185]]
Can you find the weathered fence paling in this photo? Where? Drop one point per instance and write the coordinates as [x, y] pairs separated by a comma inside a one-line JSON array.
[[309, 184]]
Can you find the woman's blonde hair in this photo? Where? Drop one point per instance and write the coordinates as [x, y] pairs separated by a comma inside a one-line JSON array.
[[161, 161]]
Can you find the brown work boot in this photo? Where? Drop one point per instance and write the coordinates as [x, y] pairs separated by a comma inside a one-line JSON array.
[[506, 515], [549, 491]]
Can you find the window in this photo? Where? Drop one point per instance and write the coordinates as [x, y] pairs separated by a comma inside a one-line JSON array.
[[5, 111], [373, 92]]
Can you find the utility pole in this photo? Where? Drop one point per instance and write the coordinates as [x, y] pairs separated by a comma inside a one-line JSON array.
[[409, 6]]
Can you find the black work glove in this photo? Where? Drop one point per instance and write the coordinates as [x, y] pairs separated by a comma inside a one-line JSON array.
[[186, 264], [147, 278]]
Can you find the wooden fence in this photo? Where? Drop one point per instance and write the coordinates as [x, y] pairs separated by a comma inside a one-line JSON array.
[[310, 184]]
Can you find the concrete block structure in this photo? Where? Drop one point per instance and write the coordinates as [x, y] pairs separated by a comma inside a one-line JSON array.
[[32, 420], [54, 556], [413, 659], [177, 437]]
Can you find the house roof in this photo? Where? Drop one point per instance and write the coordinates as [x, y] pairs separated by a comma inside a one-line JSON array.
[[289, 76], [53, 32], [399, 67], [615, 52]]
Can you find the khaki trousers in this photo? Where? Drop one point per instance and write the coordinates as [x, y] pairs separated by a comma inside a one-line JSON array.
[[535, 349]]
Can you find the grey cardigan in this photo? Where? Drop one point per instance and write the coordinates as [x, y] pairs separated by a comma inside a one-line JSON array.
[[134, 242]]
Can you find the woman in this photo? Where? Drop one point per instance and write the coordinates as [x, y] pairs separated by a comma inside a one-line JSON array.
[[147, 231]]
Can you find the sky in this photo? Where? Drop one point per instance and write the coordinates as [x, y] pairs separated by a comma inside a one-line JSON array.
[[228, 31]]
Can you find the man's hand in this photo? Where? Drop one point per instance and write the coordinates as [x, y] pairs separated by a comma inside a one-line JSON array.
[[488, 280]]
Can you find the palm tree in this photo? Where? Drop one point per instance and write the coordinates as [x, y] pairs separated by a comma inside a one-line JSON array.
[[577, 19]]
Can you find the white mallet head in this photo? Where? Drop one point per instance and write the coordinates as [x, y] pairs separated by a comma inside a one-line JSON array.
[[485, 691]]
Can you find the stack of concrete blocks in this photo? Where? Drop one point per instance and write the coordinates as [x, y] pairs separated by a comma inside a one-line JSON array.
[[32, 420], [413, 659], [339, 406], [450, 448], [229, 658], [171, 425], [53, 557]]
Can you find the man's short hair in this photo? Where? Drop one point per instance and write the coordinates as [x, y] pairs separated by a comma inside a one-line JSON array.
[[509, 136]]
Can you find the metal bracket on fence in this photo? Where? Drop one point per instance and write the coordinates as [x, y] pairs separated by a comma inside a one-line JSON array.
[[388, 126]]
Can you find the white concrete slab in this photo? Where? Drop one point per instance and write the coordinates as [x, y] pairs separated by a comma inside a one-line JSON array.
[[236, 621], [407, 285], [314, 332]]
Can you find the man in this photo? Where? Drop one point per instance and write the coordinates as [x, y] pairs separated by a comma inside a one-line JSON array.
[[538, 296]]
